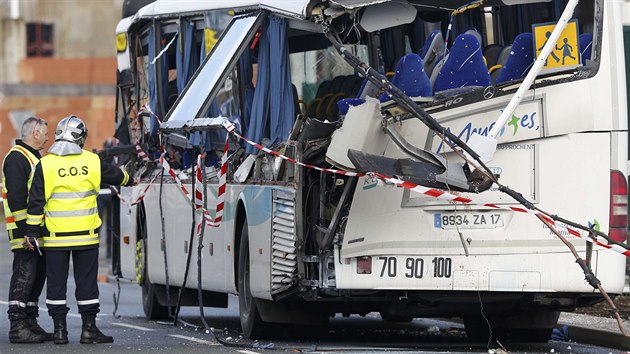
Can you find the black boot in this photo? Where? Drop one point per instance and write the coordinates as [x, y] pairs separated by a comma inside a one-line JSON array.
[[21, 333], [91, 334], [35, 328], [61, 330]]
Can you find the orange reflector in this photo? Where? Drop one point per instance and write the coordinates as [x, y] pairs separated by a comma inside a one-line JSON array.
[[364, 265], [126, 240]]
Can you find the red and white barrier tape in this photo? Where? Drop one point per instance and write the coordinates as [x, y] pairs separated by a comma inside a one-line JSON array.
[[218, 215], [438, 194], [197, 201], [141, 154], [199, 183], [442, 195], [144, 157], [230, 128], [165, 165], [147, 107], [140, 197]]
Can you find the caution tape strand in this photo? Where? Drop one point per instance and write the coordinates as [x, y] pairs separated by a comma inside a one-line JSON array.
[[441, 195]]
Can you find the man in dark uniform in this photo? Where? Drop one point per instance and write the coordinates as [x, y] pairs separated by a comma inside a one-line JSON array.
[[65, 185], [29, 268]]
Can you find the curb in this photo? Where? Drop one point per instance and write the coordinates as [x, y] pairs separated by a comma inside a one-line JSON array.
[[597, 337]]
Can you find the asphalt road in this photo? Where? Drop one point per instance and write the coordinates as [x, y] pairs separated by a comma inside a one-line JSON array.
[[131, 331]]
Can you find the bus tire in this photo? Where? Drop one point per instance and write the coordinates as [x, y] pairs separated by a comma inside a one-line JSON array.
[[251, 323], [152, 308]]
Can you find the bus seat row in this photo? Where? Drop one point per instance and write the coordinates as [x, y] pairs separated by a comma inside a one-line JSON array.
[[521, 56], [323, 106], [463, 66], [466, 64], [410, 77]]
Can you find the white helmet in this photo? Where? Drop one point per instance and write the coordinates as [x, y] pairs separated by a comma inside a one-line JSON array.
[[70, 136]]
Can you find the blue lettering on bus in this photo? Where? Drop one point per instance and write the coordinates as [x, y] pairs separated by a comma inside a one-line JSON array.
[[528, 121]]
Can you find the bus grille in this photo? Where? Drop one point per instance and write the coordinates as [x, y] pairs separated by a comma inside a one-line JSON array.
[[283, 258]]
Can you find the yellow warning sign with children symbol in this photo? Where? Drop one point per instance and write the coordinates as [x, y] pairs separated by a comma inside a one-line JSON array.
[[566, 53]]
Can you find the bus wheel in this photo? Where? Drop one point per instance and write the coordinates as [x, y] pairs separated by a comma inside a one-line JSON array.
[[153, 310], [251, 323]]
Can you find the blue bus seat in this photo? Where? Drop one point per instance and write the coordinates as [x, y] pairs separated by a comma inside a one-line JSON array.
[[475, 33], [464, 65], [409, 77], [496, 69], [432, 50], [585, 42], [520, 60]]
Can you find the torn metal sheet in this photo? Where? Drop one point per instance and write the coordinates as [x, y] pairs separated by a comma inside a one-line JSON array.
[[355, 4], [199, 124]]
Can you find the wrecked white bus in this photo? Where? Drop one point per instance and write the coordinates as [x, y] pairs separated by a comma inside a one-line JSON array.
[[344, 230]]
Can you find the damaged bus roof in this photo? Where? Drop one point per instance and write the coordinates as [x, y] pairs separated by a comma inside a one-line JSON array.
[[292, 8]]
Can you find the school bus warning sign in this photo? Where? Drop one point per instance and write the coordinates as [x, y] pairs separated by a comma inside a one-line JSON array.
[[566, 53]]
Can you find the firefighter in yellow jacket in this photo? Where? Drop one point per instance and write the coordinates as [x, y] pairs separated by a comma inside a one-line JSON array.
[[29, 268], [63, 193]]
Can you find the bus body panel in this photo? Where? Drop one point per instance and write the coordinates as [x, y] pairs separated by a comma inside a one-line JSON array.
[[506, 272], [128, 229], [219, 248], [612, 63], [550, 167]]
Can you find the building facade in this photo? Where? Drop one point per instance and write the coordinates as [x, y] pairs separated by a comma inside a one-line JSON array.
[[58, 58]]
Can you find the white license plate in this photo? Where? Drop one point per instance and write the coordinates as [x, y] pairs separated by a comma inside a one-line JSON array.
[[467, 220]]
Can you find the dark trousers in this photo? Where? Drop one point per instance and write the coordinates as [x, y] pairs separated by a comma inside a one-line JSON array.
[[27, 282], [85, 264]]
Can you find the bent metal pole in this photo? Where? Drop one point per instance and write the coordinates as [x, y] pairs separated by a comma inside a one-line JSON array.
[[482, 144], [540, 62]]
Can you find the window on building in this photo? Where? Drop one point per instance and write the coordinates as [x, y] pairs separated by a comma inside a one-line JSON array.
[[39, 39]]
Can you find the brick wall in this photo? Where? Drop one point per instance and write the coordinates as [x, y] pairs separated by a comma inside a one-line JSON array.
[[68, 70], [54, 88]]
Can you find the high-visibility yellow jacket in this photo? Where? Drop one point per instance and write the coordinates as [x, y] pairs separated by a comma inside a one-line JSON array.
[[16, 181], [64, 191]]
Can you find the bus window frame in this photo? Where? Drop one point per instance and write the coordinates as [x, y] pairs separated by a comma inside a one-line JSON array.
[[138, 41], [449, 99], [235, 55]]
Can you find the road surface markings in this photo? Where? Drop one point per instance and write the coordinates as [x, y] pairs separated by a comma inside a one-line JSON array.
[[247, 352], [193, 339], [133, 326]]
